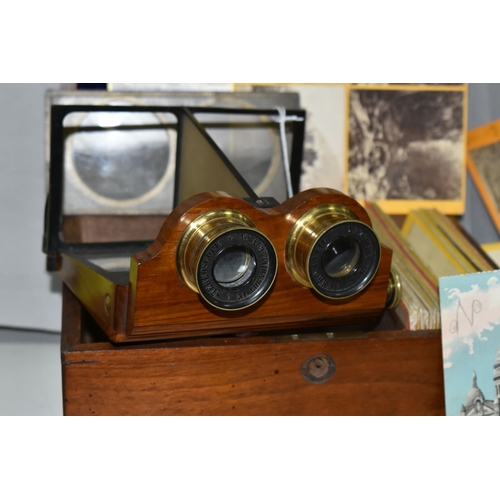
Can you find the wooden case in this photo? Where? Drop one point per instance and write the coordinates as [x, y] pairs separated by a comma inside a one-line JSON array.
[[218, 369], [383, 372]]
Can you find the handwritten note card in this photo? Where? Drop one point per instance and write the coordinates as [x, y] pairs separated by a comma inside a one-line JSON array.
[[470, 319]]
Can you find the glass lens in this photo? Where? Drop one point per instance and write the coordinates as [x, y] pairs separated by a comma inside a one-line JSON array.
[[341, 257], [234, 267]]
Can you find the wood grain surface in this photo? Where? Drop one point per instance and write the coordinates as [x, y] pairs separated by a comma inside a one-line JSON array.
[[160, 305], [111, 228], [382, 373]]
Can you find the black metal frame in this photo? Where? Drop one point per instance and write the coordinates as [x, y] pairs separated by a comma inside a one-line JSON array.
[[52, 243]]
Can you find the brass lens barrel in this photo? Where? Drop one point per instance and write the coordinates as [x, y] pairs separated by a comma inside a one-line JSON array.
[[226, 260], [330, 250], [395, 290]]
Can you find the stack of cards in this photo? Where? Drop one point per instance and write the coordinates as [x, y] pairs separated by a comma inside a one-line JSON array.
[[443, 245], [419, 306]]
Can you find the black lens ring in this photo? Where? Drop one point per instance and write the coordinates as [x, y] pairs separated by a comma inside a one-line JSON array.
[[361, 275], [257, 285]]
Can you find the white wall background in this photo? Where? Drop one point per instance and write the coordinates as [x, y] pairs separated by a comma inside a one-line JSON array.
[[30, 373], [29, 296]]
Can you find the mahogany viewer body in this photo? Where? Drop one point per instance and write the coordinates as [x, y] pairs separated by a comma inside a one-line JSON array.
[[157, 304]]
